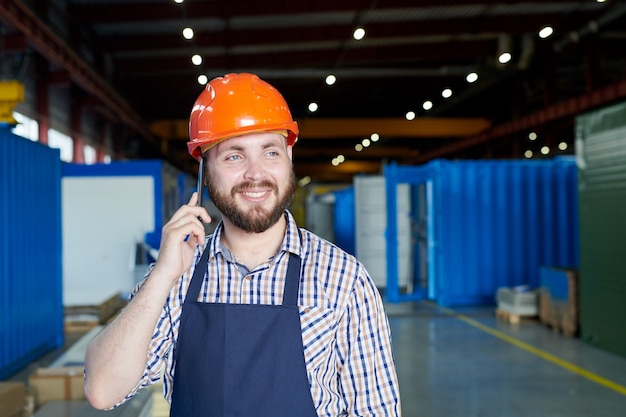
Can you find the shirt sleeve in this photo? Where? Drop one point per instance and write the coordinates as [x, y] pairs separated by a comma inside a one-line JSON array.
[[367, 374], [160, 344]]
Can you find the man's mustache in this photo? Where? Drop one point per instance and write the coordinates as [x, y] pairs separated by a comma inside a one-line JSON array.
[[251, 185]]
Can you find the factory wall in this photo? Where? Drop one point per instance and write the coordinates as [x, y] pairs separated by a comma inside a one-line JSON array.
[[601, 161]]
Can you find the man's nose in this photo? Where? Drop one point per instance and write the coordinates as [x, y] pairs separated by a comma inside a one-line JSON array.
[[254, 169]]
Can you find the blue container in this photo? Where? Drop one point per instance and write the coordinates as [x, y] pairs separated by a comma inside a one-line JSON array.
[[126, 204], [31, 305], [490, 224], [344, 220]]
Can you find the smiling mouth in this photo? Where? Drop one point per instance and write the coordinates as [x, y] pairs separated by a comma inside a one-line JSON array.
[[255, 190], [255, 194]]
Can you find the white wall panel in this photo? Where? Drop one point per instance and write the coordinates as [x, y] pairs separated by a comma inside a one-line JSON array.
[[103, 219], [371, 223]]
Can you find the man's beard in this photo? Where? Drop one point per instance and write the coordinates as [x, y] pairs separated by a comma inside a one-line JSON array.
[[255, 219]]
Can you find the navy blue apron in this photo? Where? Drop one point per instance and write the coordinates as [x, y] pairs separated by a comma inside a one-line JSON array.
[[241, 360]]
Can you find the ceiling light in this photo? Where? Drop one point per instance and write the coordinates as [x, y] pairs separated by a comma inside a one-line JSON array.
[[179, 1], [335, 162], [505, 46], [546, 32], [504, 58], [304, 181], [188, 33], [374, 137], [410, 115], [366, 142], [358, 147], [313, 107], [331, 79], [563, 146], [471, 77], [359, 33], [447, 93], [341, 158], [532, 136], [203, 79], [545, 150], [528, 154], [427, 105], [196, 59]]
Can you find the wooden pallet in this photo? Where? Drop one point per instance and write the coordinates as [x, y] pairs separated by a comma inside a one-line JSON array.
[[562, 324], [512, 318], [559, 315]]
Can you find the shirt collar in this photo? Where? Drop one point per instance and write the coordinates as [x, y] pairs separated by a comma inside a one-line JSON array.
[[293, 236]]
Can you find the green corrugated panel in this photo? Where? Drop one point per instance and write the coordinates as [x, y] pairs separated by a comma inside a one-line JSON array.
[[601, 156]]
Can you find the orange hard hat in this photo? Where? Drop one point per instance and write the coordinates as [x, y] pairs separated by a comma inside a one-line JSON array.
[[234, 105]]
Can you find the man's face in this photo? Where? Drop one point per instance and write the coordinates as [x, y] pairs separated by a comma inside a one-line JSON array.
[[250, 180]]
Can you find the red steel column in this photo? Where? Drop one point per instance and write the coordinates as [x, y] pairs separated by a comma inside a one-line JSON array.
[[42, 86], [101, 148], [77, 135]]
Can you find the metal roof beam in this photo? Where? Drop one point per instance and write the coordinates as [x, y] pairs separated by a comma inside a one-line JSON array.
[[48, 44], [423, 127], [564, 109]]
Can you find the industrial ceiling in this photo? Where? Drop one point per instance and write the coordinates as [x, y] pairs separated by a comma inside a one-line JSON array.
[[133, 67]]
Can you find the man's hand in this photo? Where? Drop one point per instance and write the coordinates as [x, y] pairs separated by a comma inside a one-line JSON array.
[[179, 239]]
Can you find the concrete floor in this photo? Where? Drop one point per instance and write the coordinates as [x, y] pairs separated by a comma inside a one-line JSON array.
[[463, 362]]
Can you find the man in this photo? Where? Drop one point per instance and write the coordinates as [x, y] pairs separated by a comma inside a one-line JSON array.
[[261, 318]]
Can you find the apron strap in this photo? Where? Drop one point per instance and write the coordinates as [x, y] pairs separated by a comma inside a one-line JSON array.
[[198, 275], [292, 281]]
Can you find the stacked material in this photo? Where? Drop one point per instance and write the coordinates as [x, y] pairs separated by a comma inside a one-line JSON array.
[[516, 303], [58, 389]]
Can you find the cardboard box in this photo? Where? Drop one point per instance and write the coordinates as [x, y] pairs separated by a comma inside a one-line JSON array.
[[559, 300], [12, 399], [62, 383]]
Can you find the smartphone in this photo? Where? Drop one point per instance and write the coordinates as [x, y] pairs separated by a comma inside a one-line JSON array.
[[200, 185]]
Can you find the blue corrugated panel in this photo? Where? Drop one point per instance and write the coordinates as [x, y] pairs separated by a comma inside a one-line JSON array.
[[494, 224], [344, 221], [31, 305]]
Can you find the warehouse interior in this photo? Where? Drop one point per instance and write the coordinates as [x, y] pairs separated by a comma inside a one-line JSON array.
[[471, 154]]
